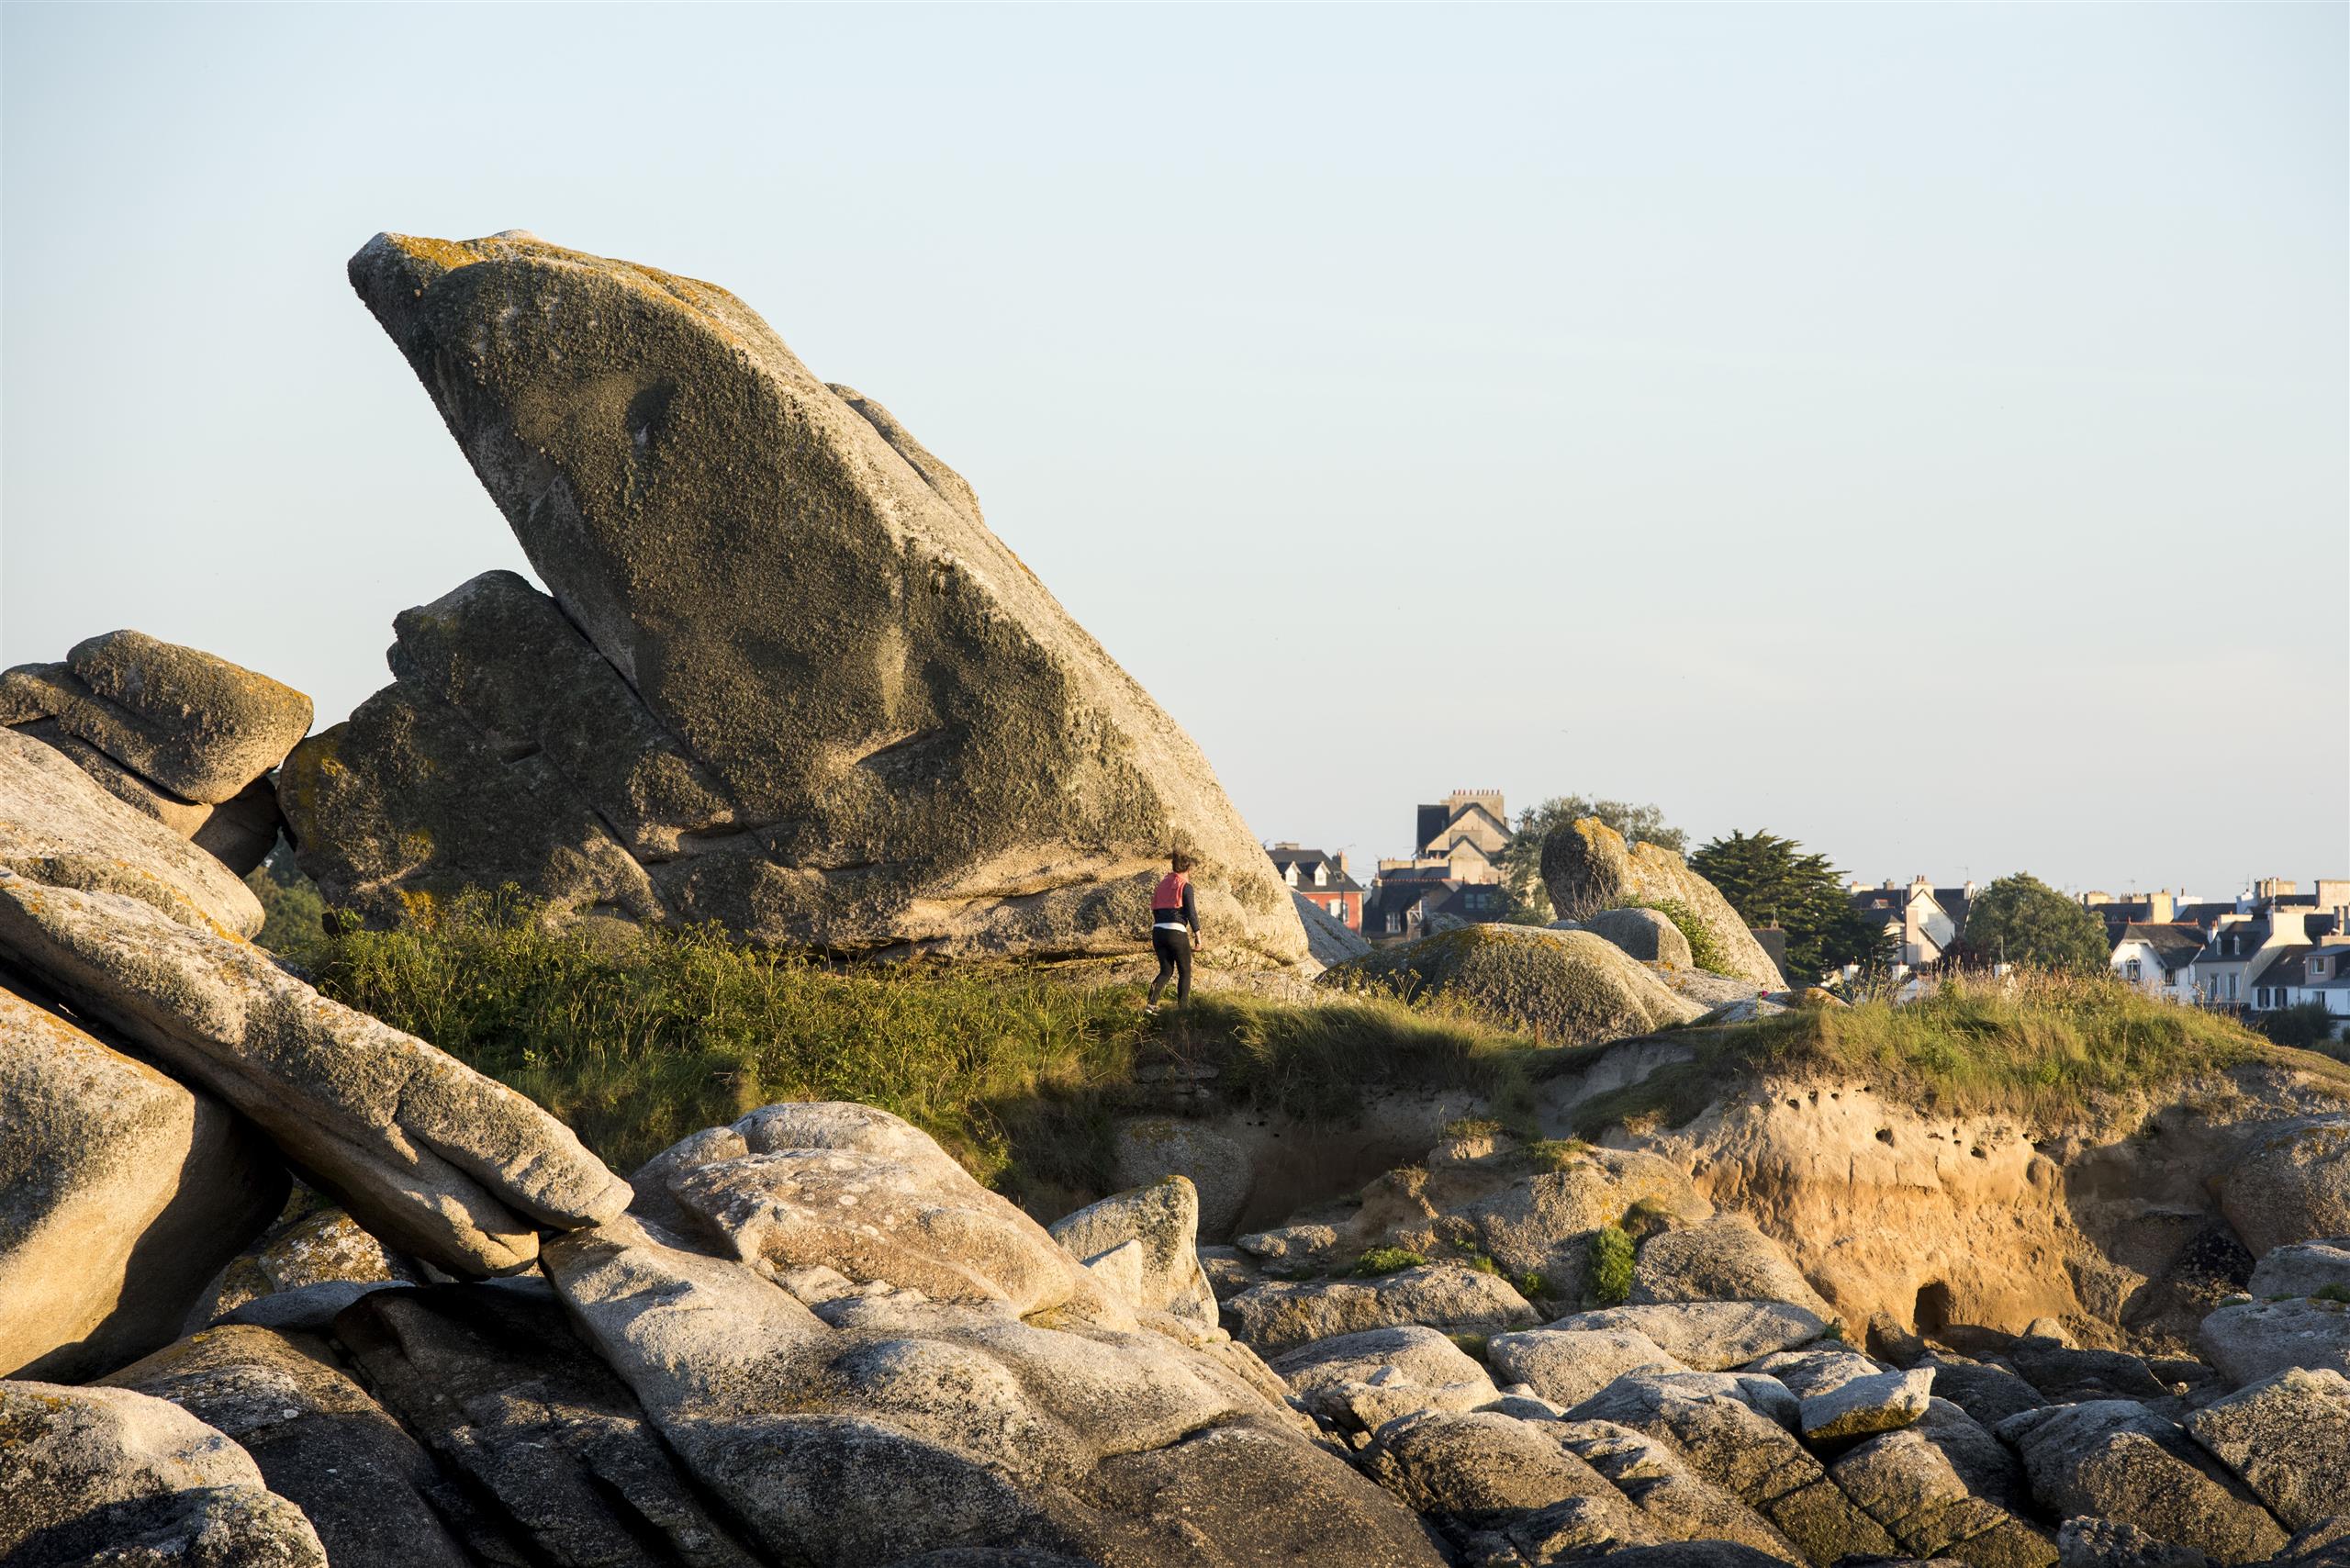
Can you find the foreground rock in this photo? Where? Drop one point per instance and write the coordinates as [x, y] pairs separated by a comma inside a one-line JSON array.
[[1567, 988], [868, 722], [440, 1162], [1947, 1488], [120, 1192], [1589, 870], [2304, 1269], [1163, 1221], [2289, 1438], [1709, 1335], [2292, 1184], [2255, 1339], [1358, 1382], [1279, 1316], [58, 828], [2114, 1460], [94, 1475]]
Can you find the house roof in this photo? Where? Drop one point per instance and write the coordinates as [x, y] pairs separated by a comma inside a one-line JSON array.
[[1954, 902], [1305, 861], [2202, 914], [2248, 934], [2291, 967], [2173, 943]]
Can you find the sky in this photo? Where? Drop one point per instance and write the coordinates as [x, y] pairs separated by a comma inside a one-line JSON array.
[[1921, 430]]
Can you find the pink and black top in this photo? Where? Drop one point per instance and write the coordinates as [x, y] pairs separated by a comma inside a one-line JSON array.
[[1172, 907]]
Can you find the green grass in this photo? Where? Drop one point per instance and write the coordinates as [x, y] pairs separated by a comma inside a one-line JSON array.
[[1611, 1266], [636, 1038], [1387, 1260], [2038, 1046]]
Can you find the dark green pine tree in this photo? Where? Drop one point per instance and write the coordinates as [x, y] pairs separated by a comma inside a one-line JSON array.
[[1772, 880]]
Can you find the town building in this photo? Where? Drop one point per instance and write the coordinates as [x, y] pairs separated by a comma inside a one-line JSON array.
[[1413, 902], [2155, 955], [2320, 977], [1321, 880], [2239, 953], [1926, 921], [1464, 833]]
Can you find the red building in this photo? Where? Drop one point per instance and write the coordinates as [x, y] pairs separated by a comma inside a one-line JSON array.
[[1322, 879]]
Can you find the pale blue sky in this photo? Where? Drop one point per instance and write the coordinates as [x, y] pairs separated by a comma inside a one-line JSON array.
[[1924, 430]]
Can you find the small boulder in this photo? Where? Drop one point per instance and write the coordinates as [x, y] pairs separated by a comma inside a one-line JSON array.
[[1726, 1258], [2114, 1459], [1360, 1382], [121, 1190], [1568, 1366], [1988, 1393], [1490, 1470], [2254, 1339], [106, 1475], [1648, 934], [1164, 1218], [1881, 1401], [1710, 1335], [2068, 1374], [1149, 1149], [1282, 1315], [1681, 1504], [1588, 869], [2304, 1267], [1564, 988], [2086, 1542], [1947, 1488], [2288, 1437], [2290, 1184]]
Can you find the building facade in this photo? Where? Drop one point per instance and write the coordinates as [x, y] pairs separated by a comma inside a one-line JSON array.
[[1320, 879]]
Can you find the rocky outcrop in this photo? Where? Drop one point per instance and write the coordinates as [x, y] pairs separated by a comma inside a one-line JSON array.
[[1565, 988], [107, 1475], [1647, 935], [2115, 1459], [183, 737], [1328, 939], [1161, 1222], [2292, 1184], [2287, 1438], [120, 1192], [1589, 870], [57, 827], [788, 678], [1281, 1315], [444, 1163]]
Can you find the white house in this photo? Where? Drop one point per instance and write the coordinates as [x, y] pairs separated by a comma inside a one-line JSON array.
[[2156, 956], [2325, 979]]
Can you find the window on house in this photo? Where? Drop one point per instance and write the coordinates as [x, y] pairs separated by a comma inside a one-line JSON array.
[[2260, 997], [1321, 876], [2232, 988], [1394, 924], [1290, 875], [2133, 969]]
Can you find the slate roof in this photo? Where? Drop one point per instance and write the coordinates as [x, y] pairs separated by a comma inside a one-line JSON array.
[[2291, 967], [1305, 861], [2173, 943], [1954, 902]]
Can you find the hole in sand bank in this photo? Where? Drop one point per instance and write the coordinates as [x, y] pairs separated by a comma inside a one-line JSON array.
[[1931, 1314], [1884, 1134]]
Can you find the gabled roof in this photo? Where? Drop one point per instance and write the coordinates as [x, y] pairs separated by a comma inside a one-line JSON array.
[[2172, 942], [2202, 914], [1305, 861], [1954, 902], [2247, 935], [2291, 967]]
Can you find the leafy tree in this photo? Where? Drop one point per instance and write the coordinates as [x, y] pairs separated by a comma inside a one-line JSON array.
[[1522, 856], [1772, 880], [2022, 920], [293, 912]]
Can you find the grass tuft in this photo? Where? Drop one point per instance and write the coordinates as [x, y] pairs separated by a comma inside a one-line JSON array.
[[1387, 1260], [1611, 1266]]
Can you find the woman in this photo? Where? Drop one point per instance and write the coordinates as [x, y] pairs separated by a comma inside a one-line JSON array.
[[1174, 927]]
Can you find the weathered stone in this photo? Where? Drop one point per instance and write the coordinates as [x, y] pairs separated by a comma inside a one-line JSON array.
[[859, 1191], [1883, 1402], [2115, 1459], [192, 722], [2066, 1373], [920, 749], [105, 1475], [59, 829], [2288, 1436], [2303, 1267], [319, 1441], [308, 1247], [1360, 1382], [1149, 1149], [1482, 1471], [2086, 1542], [1568, 1366], [495, 1382], [901, 1426], [1726, 1258], [2292, 1184], [1682, 1504], [440, 1162], [1988, 1393], [2255, 1339], [1749, 1455], [120, 1192], [1648, 934], [1946, 1488], [1164, 1218], [1589, 870], [1710, 1335], [1328, 939], [1565, 988], [1822, 1369], [1282, 1315]]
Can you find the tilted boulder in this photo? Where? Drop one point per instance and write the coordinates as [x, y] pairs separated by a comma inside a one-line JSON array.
[[120, 1192], [2254, 1339], [57, 827], [2292, 1184], [440, 1162], [2289, 1438], [1648, 934], [180, 735], [1589, 870], [1360, 1382], [1682, 1504], [1568, 1366], [108, 1475], [1565, 988], [2304, 1267], [2115, 1459], [1947, 1488], [845, 714], [1710, 1335], [1282, 1315], [1164, 1218], [1725, 1258], [1491, 1471], [318, 1440]]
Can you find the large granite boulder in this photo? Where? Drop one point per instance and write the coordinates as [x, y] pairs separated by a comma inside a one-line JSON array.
[[2114, 1459], [436, 1159], [1360, 1382], [2305, 1267], [57, 827], [1946, 1488], [2290, 1184], [1491, 1471], [1565, 988], [1710, 1335], [1163, 1220], [2288, 1436], [107, 1475], [120, 1192], [1568, 1366], [1682, 1504], [833, 709], [2254, 1339], [1282, 1315], [1589, 870], [1725, 1258]]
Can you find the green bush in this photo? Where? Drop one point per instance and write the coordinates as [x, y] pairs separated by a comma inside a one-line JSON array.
[[1704, 950], [1387, 1260], [1611, 1266], [294, 915], [2331, 1293], [1555, 1154], [2308, 1025], [1646, 1218], [1533, 1286]]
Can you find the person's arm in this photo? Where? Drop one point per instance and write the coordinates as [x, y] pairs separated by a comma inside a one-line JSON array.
[[1191, 913]]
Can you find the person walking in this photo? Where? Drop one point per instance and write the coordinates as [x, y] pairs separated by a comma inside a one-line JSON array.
[[1174, 929]]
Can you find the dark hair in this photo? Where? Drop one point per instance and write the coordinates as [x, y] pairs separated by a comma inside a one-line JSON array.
[[1181, 861]]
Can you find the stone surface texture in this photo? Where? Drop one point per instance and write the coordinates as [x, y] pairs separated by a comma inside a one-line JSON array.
[[1589, 870]]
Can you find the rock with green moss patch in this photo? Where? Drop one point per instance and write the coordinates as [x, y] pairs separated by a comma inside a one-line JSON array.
[[2305, 1267], [1565, 988], [2288, 1436], [911, 744], [1590, 870]]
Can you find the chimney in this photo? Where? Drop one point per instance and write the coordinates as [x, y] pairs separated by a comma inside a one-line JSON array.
[[1339, 859]]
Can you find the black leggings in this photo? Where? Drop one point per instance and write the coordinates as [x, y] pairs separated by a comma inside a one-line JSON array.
[[1174, 950]]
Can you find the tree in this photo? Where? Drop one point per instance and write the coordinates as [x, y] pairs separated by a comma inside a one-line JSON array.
[[1522, 856], [2022, 920], [1772, 880]]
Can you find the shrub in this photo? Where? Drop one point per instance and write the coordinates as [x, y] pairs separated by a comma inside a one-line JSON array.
[[2308, 1025], [1387, 1260], [1534, 1286], [293, 914], [2331, 1293], [1704, 950], [1555, 1154], [1476, 1345], [1611, 1266]]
